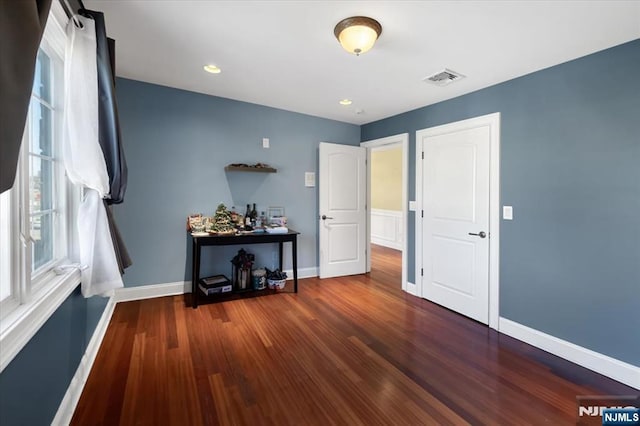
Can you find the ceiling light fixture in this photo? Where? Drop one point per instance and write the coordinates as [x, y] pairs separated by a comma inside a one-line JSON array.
[[357, 34], [345, 102], [212, 69]]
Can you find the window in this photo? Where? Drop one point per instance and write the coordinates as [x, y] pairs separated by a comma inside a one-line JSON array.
[[39, 190], [47, 183], [35, 215]]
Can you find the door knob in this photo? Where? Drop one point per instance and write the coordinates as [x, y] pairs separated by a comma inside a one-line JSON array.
[[480, 234], [325, 217]]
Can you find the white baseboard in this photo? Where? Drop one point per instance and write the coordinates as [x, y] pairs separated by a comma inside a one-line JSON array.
[[303, 273], [72, 396], [412, 289], [605, 365], [176, 288], [150, 291]]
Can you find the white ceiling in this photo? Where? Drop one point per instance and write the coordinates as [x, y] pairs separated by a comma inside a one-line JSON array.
[[283, 53]]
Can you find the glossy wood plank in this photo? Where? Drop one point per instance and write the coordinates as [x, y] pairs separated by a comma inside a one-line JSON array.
[[344, 351]]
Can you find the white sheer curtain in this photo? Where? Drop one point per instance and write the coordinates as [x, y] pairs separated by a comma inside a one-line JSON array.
[[84, 161]]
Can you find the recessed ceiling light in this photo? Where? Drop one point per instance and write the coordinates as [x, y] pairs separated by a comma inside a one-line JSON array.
[[345, 102], [212, 69]]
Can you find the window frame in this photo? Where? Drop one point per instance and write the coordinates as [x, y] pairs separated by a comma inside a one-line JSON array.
[[37, 295]]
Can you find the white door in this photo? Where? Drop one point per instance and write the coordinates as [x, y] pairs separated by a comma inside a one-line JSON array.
[[455, 227], [342, 216]]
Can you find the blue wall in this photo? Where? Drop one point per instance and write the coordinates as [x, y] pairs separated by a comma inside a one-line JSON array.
[[570, 166], [33, 384], [177, 144]]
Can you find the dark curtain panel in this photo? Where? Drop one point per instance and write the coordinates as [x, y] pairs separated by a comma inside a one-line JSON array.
[[122, 254], [21, 26], [109, 131]]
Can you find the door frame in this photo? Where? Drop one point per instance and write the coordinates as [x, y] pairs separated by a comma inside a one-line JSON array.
[[493, 121], [403, 141]]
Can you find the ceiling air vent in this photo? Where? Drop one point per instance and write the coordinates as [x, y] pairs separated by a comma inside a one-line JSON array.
[[443, 78]]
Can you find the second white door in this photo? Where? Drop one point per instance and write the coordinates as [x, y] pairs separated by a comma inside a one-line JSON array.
[[342, 216], [455, 200]]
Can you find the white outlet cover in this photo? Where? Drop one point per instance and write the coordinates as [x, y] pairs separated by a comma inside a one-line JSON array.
[[265, 142], [507, 212], [309, 179]]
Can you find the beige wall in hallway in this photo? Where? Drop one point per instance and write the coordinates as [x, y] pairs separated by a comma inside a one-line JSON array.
[[386, 179]]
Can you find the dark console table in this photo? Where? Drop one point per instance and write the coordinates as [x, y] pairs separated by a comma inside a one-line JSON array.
[[226, 240]]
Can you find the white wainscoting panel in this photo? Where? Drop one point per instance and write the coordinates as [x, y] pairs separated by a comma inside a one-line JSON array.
[[386, 228]]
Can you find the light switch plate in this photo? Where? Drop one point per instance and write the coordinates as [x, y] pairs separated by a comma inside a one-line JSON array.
[[265, 142], [507, 212], [413, 206], [309, 179]]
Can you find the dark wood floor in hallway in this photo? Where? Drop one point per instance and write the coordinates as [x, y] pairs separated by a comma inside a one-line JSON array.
[[386, 266], [345, 351]]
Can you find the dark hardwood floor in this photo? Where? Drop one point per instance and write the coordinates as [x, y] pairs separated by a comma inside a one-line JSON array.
[[386, 266], [346, 351]]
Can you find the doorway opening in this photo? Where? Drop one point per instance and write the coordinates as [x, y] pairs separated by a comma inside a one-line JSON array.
[[387, 208]]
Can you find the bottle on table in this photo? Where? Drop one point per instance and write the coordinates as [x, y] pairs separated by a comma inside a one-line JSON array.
[[254, 215], [247, 216]]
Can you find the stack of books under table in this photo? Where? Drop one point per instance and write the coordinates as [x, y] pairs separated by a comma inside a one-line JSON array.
[[216, 284]]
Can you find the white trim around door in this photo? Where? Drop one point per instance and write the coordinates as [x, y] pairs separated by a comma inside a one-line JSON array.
[[493, 121], [391, 142]]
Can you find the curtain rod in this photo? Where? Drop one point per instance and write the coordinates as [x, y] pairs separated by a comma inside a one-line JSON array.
[[72, 7]]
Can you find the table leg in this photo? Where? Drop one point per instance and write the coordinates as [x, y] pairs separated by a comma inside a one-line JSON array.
[[294, 258], [196, 274], [280, 254]]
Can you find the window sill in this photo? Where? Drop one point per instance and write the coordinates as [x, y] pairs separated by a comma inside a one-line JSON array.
[[17, 328]]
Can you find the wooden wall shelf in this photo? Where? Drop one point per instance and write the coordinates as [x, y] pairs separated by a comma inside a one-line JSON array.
[[250, 169]]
